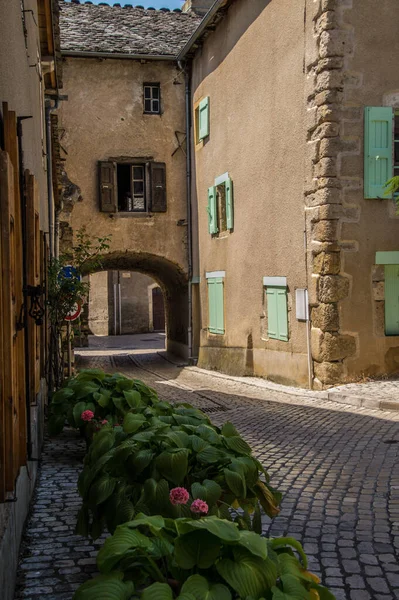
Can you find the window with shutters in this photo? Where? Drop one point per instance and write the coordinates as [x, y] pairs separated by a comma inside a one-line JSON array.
[[201, 120], [220, 206], [276, 307], [380, 149], [215, 284], [390, 260], [136, 187], [152, 98]]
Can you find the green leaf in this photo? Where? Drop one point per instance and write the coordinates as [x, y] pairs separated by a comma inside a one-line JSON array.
[[115, 547], [55, 424], [248, 575], [158, 591], [253, 542], [210, 455], [105, 587], [198, 548], [101, 489], [124, 384], [213, 491], [292, 589], [154, 522], [102, 398], [324, 593], [85, 389], [119, 404], [77, 412], [124, 511], [237, 444], [257, 519], [102, 443], [290, 541], [90, 374], [132, 422], [228, 430], [173, 465], [133, 398], [236, 483], [221, 528], [61, 395], [141, 460], [198, 443], [201, 589]]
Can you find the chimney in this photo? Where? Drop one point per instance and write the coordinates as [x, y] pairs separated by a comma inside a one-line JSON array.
[[199, 7]]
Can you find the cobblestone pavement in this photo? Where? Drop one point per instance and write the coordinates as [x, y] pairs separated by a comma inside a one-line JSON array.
[[337, 466]]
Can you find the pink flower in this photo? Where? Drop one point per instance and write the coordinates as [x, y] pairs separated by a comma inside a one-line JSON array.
[[104, 422], [179, 495], [199, 506], [87, 415]]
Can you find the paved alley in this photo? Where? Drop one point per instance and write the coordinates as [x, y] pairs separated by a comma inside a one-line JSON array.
[[337, 466]]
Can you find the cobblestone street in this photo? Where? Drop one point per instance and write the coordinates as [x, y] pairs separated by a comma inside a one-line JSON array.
[[337, 466]]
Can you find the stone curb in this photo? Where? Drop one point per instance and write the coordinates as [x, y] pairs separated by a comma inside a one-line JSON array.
[[333, 395]]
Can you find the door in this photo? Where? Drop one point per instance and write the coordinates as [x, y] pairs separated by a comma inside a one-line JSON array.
[[158, 310]]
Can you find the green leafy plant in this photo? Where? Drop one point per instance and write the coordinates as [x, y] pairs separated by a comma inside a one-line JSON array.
[[199, 559], [392, 189]]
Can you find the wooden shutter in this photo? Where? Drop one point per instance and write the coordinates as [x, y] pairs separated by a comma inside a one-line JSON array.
[[229, 204], [157, 201], [272, 320], [212, 211], [277, 313], [108, 188], [391, 299], [215, 305], [378, 141], [203, 118]]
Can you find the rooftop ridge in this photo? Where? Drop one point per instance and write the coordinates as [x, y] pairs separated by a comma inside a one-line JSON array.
[[125, 6]]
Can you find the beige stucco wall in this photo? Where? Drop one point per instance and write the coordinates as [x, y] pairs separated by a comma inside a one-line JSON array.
[[98, 303], [371, 78], [251, 67], [103, 118], [21, 88]]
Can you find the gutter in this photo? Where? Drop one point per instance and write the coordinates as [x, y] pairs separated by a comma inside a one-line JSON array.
[[123, 55], [201, 28]]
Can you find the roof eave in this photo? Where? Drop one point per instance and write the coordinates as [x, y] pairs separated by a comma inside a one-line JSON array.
[[201, 30], [120, 55]]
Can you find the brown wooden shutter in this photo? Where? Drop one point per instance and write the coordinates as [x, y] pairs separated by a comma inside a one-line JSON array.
[[108, 191], [157, 200]]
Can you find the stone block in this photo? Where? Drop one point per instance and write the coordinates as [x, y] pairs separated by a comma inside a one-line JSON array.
[[329, 97], [379, 290], [328, 182], [312, 151], [312, 289], [329, 80], [335, 43], [325, 231], [333, 288], [351, 165], [327, 64], [378, 273], [331, 147], [349, 245], [326, 167], [317, 247], [351, 214], [327, 347], [327, 196], [329, 372], [330, 211], [328, 113], [311, 118], [326, 21], [326, 317], [327, 263], [326, 130]]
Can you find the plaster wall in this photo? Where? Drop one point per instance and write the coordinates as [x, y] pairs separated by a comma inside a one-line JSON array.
[[251, 68], [21, 88], [371, 79], [104, 119], [98, 303]]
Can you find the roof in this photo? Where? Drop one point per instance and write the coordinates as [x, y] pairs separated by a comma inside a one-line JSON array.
[[88, 28]]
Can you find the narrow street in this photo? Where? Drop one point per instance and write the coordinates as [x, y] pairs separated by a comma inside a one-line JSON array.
[[336, 465]]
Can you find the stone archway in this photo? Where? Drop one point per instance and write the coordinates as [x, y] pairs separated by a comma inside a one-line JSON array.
[[174, 284]]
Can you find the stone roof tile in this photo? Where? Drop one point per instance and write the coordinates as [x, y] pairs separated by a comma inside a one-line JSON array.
[[124, 30]]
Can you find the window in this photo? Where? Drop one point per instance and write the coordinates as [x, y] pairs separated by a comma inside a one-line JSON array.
[[220, 205], [390, 260], [378, 150], [215, 281], [136, 187], [277, 309], [202, 120], [152, 98]]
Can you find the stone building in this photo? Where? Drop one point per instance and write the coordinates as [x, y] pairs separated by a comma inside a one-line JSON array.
[[294, 134], [123, 142], [30, 76]]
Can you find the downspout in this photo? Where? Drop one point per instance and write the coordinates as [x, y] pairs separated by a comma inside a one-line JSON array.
[[189, 219]]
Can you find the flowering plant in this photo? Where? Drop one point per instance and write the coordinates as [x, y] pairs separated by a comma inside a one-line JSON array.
[[180, 495]]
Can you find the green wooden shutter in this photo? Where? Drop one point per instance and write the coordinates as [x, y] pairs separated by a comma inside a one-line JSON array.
[[277, 314], [203, 118], [282, 314], [211, 305], [215, 305], [108, 186], [391, 299], [212, 211], [378, 141], [229, 204]]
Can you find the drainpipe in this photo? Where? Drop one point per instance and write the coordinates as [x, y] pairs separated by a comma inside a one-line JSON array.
[[49, 110], [189, 219]]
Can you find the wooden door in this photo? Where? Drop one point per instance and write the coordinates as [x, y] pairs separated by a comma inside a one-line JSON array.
[[158, 310]]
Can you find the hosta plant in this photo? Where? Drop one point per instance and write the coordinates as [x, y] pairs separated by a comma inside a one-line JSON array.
[[152, 558], [133, 468], [108, 396]]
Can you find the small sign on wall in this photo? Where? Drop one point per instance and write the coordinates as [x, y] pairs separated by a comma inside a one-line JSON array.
[[302, 304]]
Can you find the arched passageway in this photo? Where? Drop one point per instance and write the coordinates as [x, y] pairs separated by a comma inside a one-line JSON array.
[[174, 285]]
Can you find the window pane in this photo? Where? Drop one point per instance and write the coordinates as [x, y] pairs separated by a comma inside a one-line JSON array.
[[138, 188], [138, 173], [155, 106], [147, 105], [147, 92], [155, 92]]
